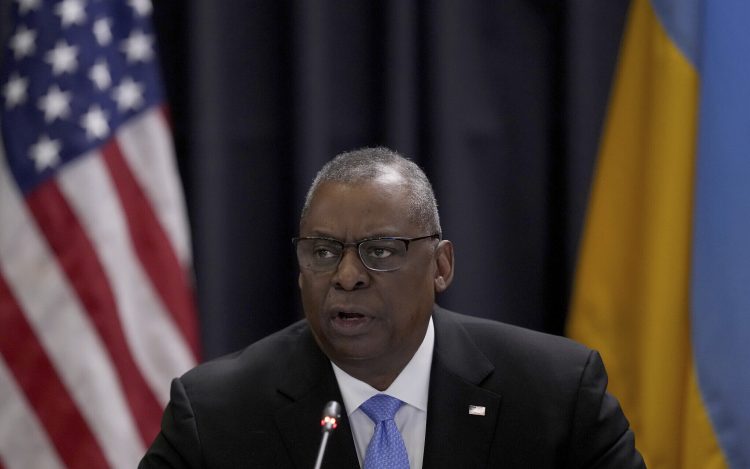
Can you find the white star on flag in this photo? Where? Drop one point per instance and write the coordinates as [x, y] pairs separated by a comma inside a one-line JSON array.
[[23, 42], [71, 12], [99, 74], [63, 58], [141, 7], [55, 104], [25, 6], [45, 153], [15, 91], [129, 95], [95, 123], [103, 31], [138, 47]]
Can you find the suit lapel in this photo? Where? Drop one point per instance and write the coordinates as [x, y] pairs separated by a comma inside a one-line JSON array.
[[455, 437], [311, 383]]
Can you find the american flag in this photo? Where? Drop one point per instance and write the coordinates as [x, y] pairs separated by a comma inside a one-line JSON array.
[[96, 302]]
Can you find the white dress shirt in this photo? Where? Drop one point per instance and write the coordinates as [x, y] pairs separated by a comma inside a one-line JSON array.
[[411, 386]]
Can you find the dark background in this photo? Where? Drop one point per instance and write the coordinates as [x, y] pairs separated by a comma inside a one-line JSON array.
[[501, 102]]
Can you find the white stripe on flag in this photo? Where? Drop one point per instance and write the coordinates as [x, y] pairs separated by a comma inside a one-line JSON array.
[[63, 328], [158, 347], [23, 441], [146, 145]]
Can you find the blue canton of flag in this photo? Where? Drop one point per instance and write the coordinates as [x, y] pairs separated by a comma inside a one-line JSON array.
[[71, 76]]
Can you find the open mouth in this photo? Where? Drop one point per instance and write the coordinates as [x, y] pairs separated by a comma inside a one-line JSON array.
[[349, 322], [347, 316]]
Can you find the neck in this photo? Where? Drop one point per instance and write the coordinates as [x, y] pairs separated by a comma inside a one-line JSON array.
[[378, 377]]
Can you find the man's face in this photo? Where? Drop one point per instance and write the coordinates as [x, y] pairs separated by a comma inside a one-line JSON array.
[[364, 319]]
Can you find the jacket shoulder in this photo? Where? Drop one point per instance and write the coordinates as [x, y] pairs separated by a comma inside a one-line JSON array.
[[264, 361], [553, 393], [526, 365], [495, 337]]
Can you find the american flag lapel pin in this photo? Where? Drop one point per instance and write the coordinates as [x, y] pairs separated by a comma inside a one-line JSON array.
[[476, 410]]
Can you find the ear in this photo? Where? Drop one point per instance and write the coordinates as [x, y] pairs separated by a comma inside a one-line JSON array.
[[299, 280], [444, 262]]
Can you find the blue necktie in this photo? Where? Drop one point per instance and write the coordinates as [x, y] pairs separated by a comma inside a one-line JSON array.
[[386, 449]]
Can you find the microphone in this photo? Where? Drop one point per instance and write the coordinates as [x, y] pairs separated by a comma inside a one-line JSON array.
[[328, 423]]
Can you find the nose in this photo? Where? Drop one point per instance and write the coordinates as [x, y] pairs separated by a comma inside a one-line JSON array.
[[351, 274]]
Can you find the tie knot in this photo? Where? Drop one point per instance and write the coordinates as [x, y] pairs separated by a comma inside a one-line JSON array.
[[381, 407]]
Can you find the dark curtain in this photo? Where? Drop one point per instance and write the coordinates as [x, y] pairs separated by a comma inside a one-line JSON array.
[[500, 101]]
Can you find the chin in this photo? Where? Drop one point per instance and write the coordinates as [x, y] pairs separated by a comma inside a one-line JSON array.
[[353, 352]]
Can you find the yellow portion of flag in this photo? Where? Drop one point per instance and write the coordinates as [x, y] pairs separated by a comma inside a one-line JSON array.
[[631, 293]]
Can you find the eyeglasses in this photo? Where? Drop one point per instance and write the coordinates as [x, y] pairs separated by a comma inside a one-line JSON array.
[[385, 254]]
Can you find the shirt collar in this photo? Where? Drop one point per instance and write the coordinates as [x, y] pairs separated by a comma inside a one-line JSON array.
[[411, 385]]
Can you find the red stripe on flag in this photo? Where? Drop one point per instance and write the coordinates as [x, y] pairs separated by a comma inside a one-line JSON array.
[[153, 247], [47, 395], [78, 259], [166, 113]]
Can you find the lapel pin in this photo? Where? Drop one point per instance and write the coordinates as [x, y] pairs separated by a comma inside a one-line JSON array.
[[476, 410]]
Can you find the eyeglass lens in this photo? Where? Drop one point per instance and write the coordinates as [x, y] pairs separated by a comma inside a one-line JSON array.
[[323, 255]]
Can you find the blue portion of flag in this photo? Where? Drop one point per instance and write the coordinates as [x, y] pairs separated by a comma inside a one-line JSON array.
[[721, 257], [70, 77], [681, 19]]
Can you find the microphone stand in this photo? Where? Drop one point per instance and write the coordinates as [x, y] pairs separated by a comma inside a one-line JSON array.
[[329, 422]]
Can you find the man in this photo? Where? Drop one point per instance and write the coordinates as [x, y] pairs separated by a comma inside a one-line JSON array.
[[466, 392]]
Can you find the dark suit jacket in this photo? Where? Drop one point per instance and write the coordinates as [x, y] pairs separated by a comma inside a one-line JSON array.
[[544, 396]]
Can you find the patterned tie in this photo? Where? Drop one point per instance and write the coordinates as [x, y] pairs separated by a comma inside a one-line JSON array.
[[386, 449]]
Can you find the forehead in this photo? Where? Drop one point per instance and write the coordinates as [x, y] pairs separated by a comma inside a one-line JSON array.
[[354, 211]]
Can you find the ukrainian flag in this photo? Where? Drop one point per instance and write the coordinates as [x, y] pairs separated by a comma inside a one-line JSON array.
[[662, 287]]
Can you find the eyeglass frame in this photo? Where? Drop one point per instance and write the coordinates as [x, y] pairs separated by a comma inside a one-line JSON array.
[[357, 244]]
